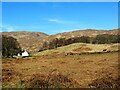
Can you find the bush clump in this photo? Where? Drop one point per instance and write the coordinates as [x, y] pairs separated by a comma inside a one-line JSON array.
[[53, 80], [10, 46], [106, 82]]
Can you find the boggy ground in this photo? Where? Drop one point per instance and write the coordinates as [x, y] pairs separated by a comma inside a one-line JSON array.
[[57, 70]]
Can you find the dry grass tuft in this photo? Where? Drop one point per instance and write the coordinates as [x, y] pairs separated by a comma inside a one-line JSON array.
[[8, 75], [10, 78], [106, 82], [52, 80]]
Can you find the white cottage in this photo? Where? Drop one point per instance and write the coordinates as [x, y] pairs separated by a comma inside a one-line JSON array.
[[23, 54]]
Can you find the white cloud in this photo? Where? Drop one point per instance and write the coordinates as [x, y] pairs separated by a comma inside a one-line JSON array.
[[56, 20], [60, 21], [10, 29], [0, 28]]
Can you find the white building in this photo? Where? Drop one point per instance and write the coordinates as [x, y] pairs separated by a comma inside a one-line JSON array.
[[23, 54]]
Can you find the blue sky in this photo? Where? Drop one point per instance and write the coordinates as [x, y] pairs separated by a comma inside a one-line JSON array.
[[57, 17]]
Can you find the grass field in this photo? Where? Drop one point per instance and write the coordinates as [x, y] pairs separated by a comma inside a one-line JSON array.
[[53, 69]]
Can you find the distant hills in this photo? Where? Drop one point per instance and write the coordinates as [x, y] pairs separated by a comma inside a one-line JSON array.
[[33, 41], [87, 32], [30, 41]]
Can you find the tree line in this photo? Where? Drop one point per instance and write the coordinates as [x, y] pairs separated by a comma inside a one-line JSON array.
[[99, 39]]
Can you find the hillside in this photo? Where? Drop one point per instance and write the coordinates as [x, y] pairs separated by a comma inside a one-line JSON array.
[[54, 68], [33, 41], [77, 65], [83, 36], [79, 49], [30, 41], [87, 32]]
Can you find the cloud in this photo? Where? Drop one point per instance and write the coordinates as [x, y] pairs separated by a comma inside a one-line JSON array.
[[12, 28], [56, 20], [0, 28], [8, 28], [60, 21]]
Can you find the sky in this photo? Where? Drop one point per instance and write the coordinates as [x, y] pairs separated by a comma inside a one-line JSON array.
[[58, 17], [60, 0]]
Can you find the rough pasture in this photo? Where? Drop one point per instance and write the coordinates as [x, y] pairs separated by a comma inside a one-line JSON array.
[[79, 70]]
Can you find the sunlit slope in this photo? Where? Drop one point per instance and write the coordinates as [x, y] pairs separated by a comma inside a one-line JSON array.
[[80, 48], [31, 41]]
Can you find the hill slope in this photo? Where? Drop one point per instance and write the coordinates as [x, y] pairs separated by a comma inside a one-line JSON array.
[[28, 40], [87, 32], [33, 41], [78, 49], [84, 36]]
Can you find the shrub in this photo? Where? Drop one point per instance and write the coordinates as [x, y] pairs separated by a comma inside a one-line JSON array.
[[10, 46], [52, 80], [105, 82]]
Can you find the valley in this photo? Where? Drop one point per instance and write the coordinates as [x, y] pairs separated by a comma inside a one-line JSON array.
[[80, 71]]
